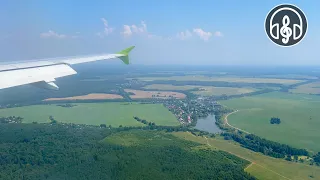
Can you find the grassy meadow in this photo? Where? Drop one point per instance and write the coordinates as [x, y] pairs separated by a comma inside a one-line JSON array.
[[231, 79], [110, 113], [299, 116], [205, 90], [263, 167], [166, 87]]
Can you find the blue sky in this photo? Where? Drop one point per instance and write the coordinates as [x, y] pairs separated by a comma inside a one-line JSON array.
[[164, 32]]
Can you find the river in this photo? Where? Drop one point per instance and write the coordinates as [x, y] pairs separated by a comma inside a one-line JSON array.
[[208, 124]]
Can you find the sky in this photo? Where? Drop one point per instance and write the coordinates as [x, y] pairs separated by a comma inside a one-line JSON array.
[[179, 32]]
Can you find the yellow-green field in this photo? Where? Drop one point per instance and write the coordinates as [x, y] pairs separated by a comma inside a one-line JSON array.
[[263, 167], [299, 114], [110, 113], [204, 90], [224, 79], [311, 88], [166, 87]]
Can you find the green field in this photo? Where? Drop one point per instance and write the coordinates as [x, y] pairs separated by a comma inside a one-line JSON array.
[[233, 79], [264, 167], [205, 90], [167, 87], [110, 113], [299, 116]]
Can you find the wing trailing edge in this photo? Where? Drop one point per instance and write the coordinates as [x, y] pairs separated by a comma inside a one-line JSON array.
[[42, 73]]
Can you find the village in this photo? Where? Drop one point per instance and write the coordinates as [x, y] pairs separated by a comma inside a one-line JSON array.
[[189, 110]]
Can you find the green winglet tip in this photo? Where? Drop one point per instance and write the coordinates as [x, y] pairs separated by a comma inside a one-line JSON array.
[[125, 59], [126, 51]]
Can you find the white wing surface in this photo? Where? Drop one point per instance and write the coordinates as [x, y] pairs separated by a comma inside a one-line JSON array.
[[43, 73]]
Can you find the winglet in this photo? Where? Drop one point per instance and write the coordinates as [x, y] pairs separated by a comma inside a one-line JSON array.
[[125, 53]]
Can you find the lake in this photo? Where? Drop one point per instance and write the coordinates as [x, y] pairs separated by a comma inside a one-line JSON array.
[[208, 124]]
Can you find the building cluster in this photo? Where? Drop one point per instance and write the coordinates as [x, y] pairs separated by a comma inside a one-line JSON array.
[[186, 111], [133, 83], [11, 119]]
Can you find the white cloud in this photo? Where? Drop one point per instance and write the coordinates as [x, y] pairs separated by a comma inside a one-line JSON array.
[[106, 30], [52, 34], [139, 29], [202, 34], [218, 34], [126, 31], [129, 30], [184, 35], [144, 26]]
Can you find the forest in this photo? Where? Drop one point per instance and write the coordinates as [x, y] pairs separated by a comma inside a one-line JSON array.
[[69, 151], [275, 120], [316, 158], [264, 146]]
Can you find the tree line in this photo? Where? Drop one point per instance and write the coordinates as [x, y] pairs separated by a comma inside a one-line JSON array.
[[264, 146], [275, 120], [11, 119], [316, 158], [143, 121], [68, 105]]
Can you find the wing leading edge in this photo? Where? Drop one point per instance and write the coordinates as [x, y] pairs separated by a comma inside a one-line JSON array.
[[43, 73]]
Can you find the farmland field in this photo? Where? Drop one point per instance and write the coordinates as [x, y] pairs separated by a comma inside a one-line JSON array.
[[217, 91], [290, 76], [224, 79], [138, 94], [311, 88], [263, 167], [166, 87], [299, 116], [110, 113], [205, 90], [93, 96]]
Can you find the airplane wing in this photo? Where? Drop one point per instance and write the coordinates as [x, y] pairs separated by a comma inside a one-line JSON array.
[[43, 73]]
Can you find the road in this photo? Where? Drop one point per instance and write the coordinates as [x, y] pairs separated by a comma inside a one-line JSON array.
[[227, 123], [252, 162]]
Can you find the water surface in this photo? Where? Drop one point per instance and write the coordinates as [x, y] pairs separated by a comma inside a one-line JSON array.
[[208, 124]]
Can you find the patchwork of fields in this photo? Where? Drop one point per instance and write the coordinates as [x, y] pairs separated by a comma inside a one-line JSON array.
[[93, 96], [299, 116], [298, 111], [218, 91], [231, 79], [138, 94], [203, 90], [111, 113], [290, 76], [168, 87]]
